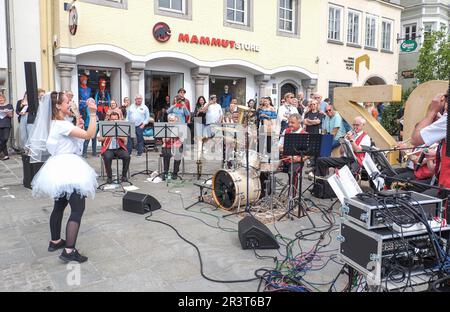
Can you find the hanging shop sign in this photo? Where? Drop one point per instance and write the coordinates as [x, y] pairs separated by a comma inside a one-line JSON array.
[[408, 74], [408, 46], [218, 42], [73, 20]]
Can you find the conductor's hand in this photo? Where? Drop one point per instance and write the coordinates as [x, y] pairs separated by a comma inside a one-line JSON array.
[[91, 105], [437, 104]]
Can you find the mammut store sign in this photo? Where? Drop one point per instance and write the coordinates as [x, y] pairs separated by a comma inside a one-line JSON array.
[[218, 42]]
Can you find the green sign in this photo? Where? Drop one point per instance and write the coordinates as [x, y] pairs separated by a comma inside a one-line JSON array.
[[408, 46]]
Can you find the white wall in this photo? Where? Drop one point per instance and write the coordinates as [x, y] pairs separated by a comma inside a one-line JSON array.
[[3, 54], [26, 41]]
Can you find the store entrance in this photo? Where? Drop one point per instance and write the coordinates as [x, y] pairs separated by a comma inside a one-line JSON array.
[[236, 86], [160, 89]]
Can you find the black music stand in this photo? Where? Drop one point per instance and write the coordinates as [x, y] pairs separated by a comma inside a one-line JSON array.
[[300, 144], [116, 129], [166, 130], [146, 171]]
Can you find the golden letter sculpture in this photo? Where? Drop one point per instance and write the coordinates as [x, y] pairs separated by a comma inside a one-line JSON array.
[[346, 103], [417, 104]]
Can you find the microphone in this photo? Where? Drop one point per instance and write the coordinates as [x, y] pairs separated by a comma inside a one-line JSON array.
[[421, 158]]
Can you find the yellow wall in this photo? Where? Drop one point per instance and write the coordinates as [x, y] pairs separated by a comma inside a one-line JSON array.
[[332, 56], [132, 30]]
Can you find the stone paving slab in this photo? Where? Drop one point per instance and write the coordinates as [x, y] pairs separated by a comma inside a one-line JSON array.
[[126, 252]]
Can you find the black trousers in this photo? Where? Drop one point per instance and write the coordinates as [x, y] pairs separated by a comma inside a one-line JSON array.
[[77, 207], [111, 154], [296, 168], [4, 137], [323, 164], [167, 154]]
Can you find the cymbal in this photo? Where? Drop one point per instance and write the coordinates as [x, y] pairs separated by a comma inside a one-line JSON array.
[[245, 108]]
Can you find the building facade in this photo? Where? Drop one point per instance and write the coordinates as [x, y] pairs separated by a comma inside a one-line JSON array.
[[256, 48], [418, 18]]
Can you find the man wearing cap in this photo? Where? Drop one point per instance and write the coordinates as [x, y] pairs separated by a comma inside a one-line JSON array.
[[181, 96]]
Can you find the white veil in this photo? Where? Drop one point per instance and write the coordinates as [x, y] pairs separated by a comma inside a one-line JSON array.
[[36, 145]]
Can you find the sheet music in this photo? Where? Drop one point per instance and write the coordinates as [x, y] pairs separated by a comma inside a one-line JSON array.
[[344, 184], [348, 149], [373, 171]]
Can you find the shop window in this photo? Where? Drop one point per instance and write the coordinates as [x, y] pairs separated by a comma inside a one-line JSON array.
[[120, 4], [236, 88], [94, 75]]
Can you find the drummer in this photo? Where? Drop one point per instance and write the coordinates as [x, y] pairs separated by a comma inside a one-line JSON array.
[[231, 117], [294, 126]]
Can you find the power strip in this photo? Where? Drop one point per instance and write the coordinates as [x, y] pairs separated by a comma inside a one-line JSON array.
[[437, 223]]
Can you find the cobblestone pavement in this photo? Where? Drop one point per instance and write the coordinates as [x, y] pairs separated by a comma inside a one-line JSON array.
[[128, 253]]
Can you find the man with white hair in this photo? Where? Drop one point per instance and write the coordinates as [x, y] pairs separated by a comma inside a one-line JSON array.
[[140, 116], [357, 138]]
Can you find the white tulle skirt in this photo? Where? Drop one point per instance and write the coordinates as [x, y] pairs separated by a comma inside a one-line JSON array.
[[63, 174]]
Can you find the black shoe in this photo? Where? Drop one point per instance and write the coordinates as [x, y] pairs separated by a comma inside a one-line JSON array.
[[164, 177], [175, 176], [73, 256], [54, 247], [124, 179], [109, 181]]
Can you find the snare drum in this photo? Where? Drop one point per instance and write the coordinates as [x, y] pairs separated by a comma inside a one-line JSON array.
[[230, 188]]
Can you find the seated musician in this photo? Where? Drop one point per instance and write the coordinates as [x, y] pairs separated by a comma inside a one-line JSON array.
[[172, 147], [294, 126], [420, 167], [433, 129], [112, 148], [357, 137]]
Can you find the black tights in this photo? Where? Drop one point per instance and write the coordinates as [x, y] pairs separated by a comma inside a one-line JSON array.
[[77, 205]]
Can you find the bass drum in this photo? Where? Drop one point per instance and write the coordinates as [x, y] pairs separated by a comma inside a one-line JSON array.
[[230, 188]]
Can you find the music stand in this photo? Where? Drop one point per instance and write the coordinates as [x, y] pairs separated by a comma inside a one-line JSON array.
[[300, 144], [116, 129], [165, 130]]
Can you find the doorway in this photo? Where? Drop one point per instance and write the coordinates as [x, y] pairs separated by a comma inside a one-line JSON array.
[[236, 87], [160, 89]]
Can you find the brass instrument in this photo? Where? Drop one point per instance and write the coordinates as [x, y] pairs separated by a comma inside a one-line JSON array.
[[242, 109]]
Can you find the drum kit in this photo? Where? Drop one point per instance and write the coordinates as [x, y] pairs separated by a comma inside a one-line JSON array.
[[244, 178]]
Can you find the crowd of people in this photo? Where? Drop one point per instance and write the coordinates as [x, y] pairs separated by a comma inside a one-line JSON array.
[[67, 134]]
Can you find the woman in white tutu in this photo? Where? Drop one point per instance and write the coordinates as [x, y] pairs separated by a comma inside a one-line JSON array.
[[65, 177]]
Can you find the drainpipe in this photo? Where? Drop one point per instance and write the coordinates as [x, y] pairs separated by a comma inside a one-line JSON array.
[[10, 55]]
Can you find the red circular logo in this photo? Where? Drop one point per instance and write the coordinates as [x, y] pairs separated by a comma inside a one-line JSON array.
[[161, 32]]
